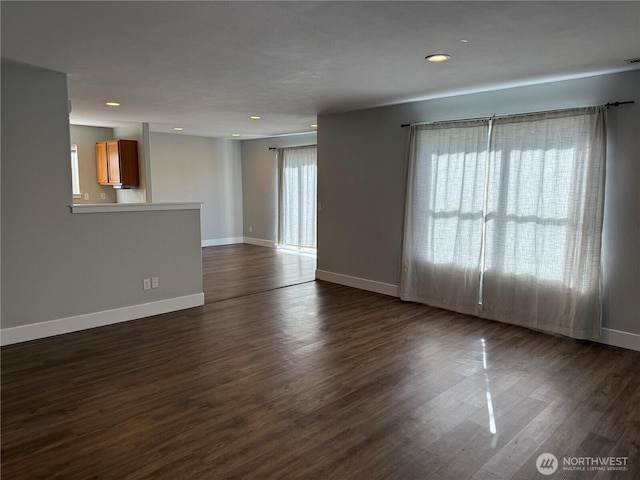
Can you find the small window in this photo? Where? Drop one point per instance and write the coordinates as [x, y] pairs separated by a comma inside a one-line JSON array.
[[75, 173]]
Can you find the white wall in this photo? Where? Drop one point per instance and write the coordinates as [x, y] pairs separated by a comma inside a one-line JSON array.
[[86, 138], [260, 183], [57, 265], [187, 168], [361, 168]]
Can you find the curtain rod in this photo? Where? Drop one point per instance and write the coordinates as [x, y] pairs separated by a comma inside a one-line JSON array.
[[615, 104], [294, 146], [611, 104]]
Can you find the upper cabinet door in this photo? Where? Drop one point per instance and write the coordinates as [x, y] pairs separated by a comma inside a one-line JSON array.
[[101, 163], [113, 160]]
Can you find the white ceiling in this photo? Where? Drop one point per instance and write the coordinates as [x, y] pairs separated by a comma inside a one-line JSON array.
[[208, 66]]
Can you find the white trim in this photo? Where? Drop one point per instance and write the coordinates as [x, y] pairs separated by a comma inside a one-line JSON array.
[[132, 207], [357, 282], [620, 339], [260, 242], [214, 242], [50, 328]]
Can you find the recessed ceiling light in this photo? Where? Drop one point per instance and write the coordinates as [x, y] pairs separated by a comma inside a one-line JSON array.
[[255, 117], [235, 134], [178, 129], [438, 57], [113, 104], [313, 125], [464, 41]]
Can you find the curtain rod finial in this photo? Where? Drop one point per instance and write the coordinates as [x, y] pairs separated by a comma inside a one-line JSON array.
[[617, 104]]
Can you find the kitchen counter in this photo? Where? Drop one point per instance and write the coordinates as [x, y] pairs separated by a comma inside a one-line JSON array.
[[132, 207]]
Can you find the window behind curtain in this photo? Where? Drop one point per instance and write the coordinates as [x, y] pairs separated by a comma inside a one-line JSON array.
[[533, 255], [544, 221], [75, 172], [444, 212], [297, 197]]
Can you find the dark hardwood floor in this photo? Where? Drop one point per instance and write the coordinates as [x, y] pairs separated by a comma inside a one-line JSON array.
[[312, 381], [236, 270]]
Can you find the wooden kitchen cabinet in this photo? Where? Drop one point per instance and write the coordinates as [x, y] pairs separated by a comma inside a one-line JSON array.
[[117, 163]]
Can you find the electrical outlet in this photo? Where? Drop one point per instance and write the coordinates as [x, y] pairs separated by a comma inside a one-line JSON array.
[[146, 284], [250, 229], [102, 196], [154, 282], [86, 196]]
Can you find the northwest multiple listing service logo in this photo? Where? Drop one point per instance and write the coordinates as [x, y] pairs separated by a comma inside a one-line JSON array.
[[548, 464]]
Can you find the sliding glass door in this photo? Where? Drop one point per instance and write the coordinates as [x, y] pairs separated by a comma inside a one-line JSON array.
[[297, 198]]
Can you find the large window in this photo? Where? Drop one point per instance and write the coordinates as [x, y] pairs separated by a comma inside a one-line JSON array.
[[504, 218], [297, 198]]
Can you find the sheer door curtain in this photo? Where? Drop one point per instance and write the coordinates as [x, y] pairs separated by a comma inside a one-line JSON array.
[[503, 219], [297, 197]]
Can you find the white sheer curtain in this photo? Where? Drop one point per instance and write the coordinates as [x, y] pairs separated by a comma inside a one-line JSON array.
[[541, 204], [544, 222], [297, 197], [443, 215]]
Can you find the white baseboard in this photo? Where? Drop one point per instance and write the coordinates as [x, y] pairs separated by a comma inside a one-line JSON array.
[[260, 242], [222, 241], [620, 339], [357, 282], [34, 331]]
